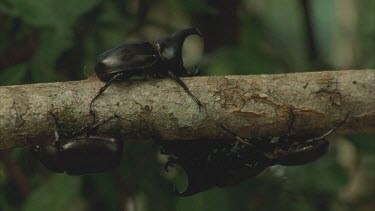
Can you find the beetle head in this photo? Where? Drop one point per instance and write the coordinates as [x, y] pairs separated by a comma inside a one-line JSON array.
[[49, 155], [170, 48]]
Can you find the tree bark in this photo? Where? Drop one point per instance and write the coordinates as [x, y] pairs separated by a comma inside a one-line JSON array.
[[301, 104]]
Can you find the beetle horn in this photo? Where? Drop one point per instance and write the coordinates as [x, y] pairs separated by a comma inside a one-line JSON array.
[[170, 49], [181, 35], [179, 39], [175, 41]]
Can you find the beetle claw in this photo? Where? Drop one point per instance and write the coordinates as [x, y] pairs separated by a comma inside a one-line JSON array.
[[169, 163], [189, 191], [182, 193]]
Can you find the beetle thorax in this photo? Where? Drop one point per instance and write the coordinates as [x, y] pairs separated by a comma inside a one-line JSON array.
[[168, 52]]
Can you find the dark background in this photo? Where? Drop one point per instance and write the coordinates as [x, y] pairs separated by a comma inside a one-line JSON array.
[[54, 40]]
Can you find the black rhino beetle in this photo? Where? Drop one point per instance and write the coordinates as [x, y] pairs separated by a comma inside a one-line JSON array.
[[214, 163], [287, 150], [292, 151], [221, 163], [160, 58], [80, 153]]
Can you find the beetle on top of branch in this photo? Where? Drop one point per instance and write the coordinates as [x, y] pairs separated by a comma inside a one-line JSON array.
[[160, 58], [224, 163]]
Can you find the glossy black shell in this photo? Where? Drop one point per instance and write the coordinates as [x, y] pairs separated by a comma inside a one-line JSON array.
[[145, 58], [81, 155], [224, 163], [301, 153], [135, 58], [209, 164]]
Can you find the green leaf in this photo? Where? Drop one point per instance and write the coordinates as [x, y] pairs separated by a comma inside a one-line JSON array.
[[53, 13], [238, 61], [331, 176], [5, 204], [285, 28], [103, 191], [197, 6], [364, 142], [214, 200], [57, 193], [13, 75], [52, 44]]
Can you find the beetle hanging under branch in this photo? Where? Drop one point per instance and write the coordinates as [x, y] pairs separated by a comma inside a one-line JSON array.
[[161, 58], [223, 163], [81, 152]]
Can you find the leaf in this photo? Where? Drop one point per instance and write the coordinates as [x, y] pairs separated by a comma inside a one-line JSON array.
[[101, 191], [286, 31], [331, 177], [13, 75], [57, 193], [364, 142], [53, 13], [238, 61], [214, 200], [52, 44], [197, 6]]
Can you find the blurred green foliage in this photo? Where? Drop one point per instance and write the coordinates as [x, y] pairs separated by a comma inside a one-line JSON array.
[[50, 40]]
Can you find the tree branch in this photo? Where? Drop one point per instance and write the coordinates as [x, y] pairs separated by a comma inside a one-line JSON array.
[[253, 105]]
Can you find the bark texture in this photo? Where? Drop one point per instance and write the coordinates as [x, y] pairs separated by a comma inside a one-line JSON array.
[[251, 105]]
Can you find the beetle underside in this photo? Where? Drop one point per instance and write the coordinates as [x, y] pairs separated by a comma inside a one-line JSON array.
[[221, 163]]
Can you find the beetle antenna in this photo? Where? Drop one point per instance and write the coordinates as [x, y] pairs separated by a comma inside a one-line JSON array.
[[330, 131], [238, 138], [56, 131], [226, 129], [93, 127]]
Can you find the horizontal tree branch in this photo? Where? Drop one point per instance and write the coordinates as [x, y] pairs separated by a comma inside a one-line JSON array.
[[252, 105]]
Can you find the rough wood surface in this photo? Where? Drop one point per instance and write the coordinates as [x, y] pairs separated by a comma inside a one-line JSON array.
[[250, 105]]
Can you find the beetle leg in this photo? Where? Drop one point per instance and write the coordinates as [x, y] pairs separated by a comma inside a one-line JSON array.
[[170, 163], [238, 138], [92, 127], [56, 134], [56, 131], [291, 152], [322, 136], [330, 131], [262, 143], [101, 90], [179, 81], [196, 70], [97, 125], [190, 74]]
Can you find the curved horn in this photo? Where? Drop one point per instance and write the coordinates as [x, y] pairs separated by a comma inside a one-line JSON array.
[[170, 49], [181, 35]]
